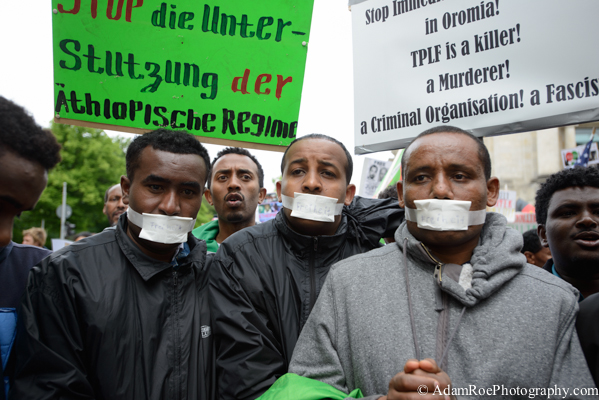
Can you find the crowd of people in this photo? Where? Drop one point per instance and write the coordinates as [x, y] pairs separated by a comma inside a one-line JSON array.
[[150, 308]]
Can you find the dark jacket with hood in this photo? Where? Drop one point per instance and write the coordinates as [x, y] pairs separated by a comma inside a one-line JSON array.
[[101, 320], [264, 283], [499, 327]]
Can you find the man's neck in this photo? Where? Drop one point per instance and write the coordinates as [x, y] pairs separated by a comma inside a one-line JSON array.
[[226, 229], [585, 285], [454, 254]]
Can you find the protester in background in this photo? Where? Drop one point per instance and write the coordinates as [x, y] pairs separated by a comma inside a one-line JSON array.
[[124, 314], [27, 152], [453, 304], [389, 193], [567, 207], [265, 278], [113, 204], [35, 237], [235, 188], [82, 235], [534, 251]]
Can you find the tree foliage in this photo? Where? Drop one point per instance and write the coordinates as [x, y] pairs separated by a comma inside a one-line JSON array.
[[91, 163]]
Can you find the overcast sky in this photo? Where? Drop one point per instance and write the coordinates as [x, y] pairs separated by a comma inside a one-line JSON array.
[[327, 99]]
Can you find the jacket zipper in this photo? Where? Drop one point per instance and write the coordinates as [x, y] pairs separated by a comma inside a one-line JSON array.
[[177, 344], [313, 276], [438, 266]]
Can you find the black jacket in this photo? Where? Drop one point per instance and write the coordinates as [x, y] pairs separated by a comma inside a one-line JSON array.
[[101, 320], [263, 284]]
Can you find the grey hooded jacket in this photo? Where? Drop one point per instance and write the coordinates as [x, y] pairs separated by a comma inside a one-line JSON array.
[[516, 332]]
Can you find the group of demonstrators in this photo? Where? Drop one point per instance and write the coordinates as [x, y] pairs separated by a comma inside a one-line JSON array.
[[149, 309]]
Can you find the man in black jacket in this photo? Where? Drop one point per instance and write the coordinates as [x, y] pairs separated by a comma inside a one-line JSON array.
[[265, 279], [124, 314]]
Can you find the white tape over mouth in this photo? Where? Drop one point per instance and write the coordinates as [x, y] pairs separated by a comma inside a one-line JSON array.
[[161, 228], [312, 207], [444, 215]]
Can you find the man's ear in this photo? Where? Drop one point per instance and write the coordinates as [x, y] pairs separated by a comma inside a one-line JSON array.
[[350, 192], [530, 257], [279, 191], [492, 191], [542, 232], [400, 199], [208, 196], [125, 187], [262, 195]]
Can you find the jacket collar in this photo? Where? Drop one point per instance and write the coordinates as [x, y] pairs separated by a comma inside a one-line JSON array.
[[147, 266], [303, 244], [495, 261]]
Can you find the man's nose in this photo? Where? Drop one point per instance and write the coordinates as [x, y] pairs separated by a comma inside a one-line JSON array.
[[312, 182], [170, 204], [441, 188], [588, 220], [234, 183]]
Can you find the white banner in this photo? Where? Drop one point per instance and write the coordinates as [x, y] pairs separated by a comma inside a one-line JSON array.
[[490, 67]]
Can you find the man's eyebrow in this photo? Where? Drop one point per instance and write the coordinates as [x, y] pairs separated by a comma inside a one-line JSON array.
[[155, 178], [222, 171], [12, 201], [245, 171], [192, 184], [328, 164], [297, 161]]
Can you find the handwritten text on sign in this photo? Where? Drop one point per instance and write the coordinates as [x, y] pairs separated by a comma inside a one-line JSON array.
[[232, 71]]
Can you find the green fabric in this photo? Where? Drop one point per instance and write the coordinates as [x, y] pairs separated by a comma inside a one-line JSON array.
[[208, 233], [295, 387]]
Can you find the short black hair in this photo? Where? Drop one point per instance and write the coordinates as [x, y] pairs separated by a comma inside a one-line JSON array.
[[108, 190], [240, 151], [20, 133], [577, 176], [390, 192], [483, 152], [177, 142], [349, 166], [532, 242]]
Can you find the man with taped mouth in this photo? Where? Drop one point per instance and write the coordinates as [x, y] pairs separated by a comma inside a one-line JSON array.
[[266, 278], [452, 304], [124, 314], [235, 188]]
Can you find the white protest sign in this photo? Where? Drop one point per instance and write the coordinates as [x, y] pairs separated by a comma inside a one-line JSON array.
[[506, 205], [569, 156], [373, 173], [490, 67]]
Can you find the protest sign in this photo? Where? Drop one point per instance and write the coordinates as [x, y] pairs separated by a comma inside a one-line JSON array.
[[506, 205], [373, 172], [225, 71], [491, 67], [569, 156]]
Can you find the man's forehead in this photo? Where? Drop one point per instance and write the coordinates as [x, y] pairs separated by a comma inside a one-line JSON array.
[[115, 190], [331, 151], [574, 194], [450, 144], [235, 161]]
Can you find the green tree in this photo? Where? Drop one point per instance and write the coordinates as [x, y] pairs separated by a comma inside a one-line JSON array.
[[91, 162]]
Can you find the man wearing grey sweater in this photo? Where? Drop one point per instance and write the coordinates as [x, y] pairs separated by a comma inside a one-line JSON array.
[[452, 308]]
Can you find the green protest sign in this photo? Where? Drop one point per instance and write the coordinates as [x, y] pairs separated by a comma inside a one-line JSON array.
[[226, 71]]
